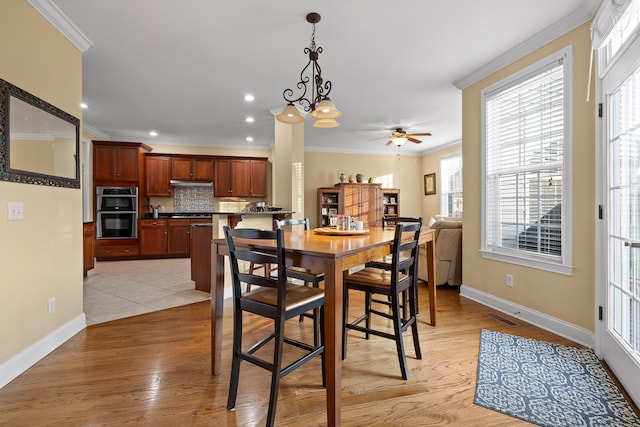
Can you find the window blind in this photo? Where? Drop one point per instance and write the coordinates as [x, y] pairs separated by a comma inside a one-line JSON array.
[[524, 163], [451, 185]]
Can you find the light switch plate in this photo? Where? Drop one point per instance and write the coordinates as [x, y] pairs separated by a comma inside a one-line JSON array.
[[16, 211]]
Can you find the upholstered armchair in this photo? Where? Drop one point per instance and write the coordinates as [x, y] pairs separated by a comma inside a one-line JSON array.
[[448, 239]]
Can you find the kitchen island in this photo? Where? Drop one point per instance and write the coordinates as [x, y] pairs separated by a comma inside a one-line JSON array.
[[203, 234]]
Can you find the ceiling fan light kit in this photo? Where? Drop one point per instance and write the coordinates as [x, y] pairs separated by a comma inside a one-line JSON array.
[[318, 103], [399, 136]]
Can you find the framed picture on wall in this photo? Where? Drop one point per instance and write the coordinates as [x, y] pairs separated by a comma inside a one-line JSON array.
[[430, 184]]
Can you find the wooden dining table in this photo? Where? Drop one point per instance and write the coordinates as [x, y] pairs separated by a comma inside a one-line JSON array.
[[333, 255]]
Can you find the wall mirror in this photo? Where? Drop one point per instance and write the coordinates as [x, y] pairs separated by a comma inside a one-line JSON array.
[[39, 143]]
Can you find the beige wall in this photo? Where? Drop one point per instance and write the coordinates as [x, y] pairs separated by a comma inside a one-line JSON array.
[[568, 298], [431, 164], [41, 256], [324, 169]]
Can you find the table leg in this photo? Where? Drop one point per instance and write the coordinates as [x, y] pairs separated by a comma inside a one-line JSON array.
[[333, 338], [217, 306], [431, 277]]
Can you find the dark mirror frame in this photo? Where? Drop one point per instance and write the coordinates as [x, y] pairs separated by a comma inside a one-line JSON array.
[[7, 90]]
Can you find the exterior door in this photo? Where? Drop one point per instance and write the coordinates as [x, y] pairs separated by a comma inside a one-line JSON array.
[[620, 335]]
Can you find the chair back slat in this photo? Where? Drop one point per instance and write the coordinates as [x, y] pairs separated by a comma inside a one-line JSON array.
[[242, 250], [404, 252], [281, 223]]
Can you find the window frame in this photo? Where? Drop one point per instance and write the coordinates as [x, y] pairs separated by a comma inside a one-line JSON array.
[[558, 264], [443, 177]]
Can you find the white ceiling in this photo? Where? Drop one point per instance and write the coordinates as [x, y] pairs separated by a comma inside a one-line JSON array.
[[182, 68]]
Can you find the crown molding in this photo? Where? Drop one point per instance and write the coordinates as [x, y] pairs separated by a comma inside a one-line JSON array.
[[95, 132], [578, 17], [62, 23]]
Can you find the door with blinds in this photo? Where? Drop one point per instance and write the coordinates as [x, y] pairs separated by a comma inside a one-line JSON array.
[[620, 335]]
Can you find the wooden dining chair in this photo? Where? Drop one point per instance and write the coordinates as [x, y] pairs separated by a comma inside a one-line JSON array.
[[308, 277], [391, 282], [277, 299]]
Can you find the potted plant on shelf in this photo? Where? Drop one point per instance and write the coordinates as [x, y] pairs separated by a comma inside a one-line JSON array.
[[359, 177]]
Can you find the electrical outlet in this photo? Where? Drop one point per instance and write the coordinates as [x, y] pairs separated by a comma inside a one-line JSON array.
[[51, 306], [508, 280], [16, 211]]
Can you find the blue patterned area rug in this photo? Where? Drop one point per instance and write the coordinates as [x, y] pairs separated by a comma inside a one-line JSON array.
[[548, 384]]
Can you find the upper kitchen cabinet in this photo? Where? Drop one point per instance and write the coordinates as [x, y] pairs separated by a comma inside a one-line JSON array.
[[240, 178], [192, 169], [118, 162], [157, 176]]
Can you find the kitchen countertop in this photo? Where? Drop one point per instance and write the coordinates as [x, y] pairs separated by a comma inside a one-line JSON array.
[[200, 215]]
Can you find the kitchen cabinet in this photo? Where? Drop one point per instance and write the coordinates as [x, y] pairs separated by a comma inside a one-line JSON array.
[[240, 178], [157, 176], [192, 169], [166, 238], [109, 249], [201, 236], [178, 237], [88, 246], [117, 162], [152, 234], [362, 201], [258, 178]]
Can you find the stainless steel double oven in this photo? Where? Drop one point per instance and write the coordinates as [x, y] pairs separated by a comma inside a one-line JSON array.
[[117, 212]]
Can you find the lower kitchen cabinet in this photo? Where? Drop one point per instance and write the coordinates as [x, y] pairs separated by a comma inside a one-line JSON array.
[[110, 249], [166, 238], [152, 234], [178, 231]]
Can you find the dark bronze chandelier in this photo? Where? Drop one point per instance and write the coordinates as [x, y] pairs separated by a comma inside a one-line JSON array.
[[315, 91]]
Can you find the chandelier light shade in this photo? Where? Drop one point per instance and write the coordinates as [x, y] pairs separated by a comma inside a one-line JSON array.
[[326, 110], [326, 123], [290, 114], [313, 89]]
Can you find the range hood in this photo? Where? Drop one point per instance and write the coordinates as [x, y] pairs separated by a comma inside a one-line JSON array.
[[184, 183]]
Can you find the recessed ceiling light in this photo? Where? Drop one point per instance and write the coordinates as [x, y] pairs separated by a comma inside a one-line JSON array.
[[153, 133], [249, 98], [250, 119], [83, 106], [249, 139]]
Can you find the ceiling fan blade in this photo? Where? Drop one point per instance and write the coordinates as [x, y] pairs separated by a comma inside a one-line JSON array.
[[419, 134], [388, 143], [417, 141]]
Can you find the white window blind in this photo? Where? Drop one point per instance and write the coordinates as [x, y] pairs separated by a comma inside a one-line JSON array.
[[525, 136], [451, 185]]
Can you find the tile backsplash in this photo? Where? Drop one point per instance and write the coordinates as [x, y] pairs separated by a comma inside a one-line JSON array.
[[193, 199]]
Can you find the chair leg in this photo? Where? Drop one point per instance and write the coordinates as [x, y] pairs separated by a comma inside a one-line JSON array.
[[397, 327], [275, 374], [316, 327], [235, 359], [306, 283], [413, 309], [367, 312]]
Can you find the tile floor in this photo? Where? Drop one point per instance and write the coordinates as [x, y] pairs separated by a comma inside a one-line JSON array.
[[117, 289]]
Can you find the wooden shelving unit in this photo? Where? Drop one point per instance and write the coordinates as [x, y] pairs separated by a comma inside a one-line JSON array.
[[328, 203], [390, 202]]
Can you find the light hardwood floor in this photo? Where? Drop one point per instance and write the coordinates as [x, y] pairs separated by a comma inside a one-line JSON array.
[[154, 369]]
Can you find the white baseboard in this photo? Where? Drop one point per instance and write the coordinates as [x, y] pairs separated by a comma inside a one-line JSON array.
[[22, 361], [544, 321]]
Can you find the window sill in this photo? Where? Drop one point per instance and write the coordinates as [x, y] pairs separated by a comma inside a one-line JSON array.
[[528, 262]]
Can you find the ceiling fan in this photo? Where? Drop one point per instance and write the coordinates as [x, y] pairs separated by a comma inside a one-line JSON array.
[[399, 136]]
